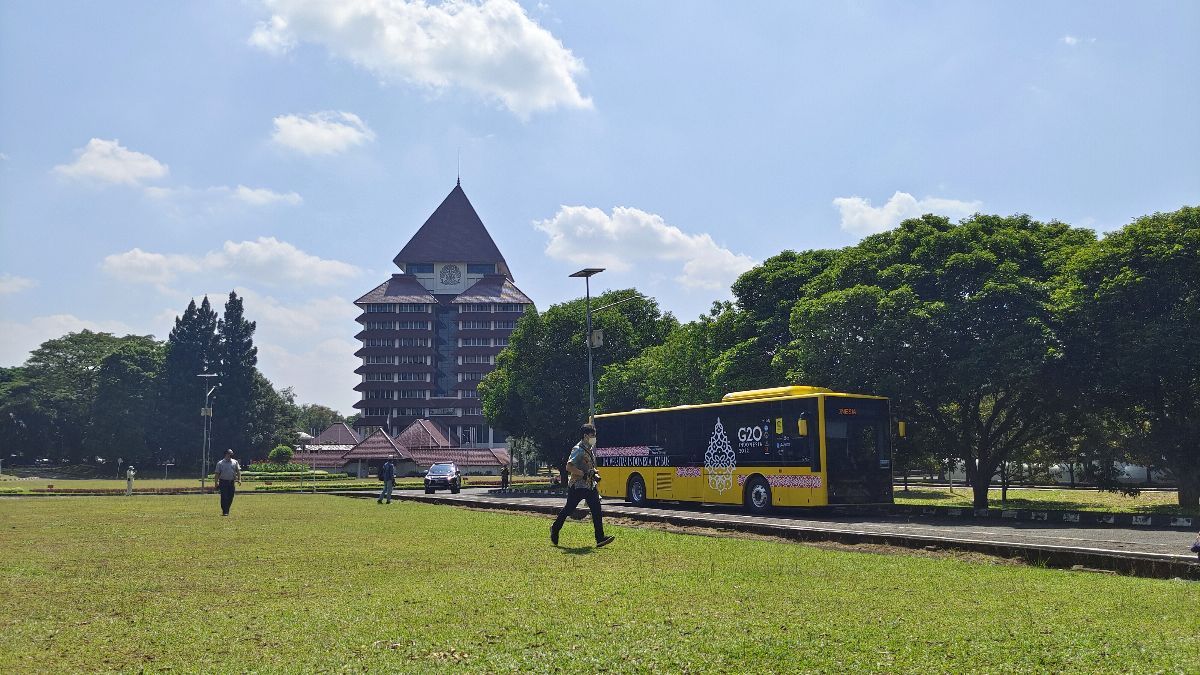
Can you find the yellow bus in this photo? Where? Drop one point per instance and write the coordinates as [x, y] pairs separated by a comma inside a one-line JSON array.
[[786, 446]]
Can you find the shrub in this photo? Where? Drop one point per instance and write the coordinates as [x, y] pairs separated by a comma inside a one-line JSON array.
[[281, 454], [270, 467]]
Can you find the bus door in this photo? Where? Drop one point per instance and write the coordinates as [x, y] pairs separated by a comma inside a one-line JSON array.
[[858, 451]]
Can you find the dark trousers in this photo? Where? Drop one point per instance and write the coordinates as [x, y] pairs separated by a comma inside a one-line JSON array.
[[575, 496], [226, 487]]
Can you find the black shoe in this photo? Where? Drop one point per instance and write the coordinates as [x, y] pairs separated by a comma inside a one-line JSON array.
[[224, 514], [378, 501], [605, 541], [553, 536], [389, 501]]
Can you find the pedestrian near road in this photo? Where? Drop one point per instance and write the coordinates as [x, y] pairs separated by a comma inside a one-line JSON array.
[[582, 486], [504, 478], [387, 474], [228, 471], [129, 474]]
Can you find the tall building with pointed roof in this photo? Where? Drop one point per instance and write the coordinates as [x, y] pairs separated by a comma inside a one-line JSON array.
[[432, 331]]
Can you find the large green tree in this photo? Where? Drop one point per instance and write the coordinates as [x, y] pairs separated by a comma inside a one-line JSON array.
[[237, 356], [190, 351], [955, 323], [1133, 300], [313, 418], [539, 389], [62, 374], [125, 404]]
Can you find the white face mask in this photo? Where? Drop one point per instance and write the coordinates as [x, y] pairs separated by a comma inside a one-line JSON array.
[[588, 442]]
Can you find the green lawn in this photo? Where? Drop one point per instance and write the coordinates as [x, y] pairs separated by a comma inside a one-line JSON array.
[[1068, 500], [304, 583]]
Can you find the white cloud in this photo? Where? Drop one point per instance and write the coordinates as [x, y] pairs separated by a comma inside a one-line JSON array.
[[272, 37], [265, 259], [1071, 40], [322, 133], [309, 345], [265, 197], [140, 266], [10, 283], [491, 48], [110, 162], [18, 339], [632, 238], [859, 217]]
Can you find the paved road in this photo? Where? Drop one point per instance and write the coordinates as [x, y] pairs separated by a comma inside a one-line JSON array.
[[1102, 540]]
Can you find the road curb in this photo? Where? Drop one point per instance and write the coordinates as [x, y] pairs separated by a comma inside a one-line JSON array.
[[1154, 565]]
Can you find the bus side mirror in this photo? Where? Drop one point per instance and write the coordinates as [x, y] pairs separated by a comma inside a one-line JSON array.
[[901, 429], [802, 427]]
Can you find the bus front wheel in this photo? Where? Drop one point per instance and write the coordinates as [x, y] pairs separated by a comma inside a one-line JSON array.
[[636, 490], [758, 495]]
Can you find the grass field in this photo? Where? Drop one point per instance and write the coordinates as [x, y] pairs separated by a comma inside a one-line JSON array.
[[303, 583], [1071, 500]]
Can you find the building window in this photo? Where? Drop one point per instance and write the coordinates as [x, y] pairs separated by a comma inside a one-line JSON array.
[[412, 325], [474, 342], [412, 342], [377, 412], [419, 268], [411, 393], [381, 325], [504, 325], [468, 393], [379, 377], [484, 308], [470, 377], [412, 359], [474, 325], [500, 342], [443, 412], [473, 411], [377, 342], [476, 358], [481, 268], [381, 308], [377, 394], [411, 412], [510, 307], [412, 377], [377, 360]]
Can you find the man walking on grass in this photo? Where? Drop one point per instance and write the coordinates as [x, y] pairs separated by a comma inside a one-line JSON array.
[[388, 475], [582, 486], [228, 471]]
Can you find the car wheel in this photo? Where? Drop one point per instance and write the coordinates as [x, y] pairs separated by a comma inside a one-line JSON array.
[[635, 491], [758, 495], [428, 491]]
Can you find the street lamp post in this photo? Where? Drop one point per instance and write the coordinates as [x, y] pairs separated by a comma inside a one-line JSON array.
[[206, 413], [587, 274]]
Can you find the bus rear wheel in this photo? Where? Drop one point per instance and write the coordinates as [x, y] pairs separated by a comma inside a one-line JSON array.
[[758, 495], [636, 490]]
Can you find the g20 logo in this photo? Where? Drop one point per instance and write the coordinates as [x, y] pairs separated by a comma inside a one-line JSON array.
[[750, 434]]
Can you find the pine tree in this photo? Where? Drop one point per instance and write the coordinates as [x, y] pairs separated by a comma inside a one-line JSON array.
[[190, 351], [233, 424]]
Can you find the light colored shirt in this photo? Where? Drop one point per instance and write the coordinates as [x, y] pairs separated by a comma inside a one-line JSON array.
[[228, 469], [583, 459]]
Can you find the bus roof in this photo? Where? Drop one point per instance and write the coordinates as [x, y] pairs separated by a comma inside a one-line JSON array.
[[751, 396]]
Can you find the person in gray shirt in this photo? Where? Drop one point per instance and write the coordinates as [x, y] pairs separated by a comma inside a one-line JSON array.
[[228, 471]]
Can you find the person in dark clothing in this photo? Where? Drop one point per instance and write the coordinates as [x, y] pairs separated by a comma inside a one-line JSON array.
[[582, 487], [228, 471], [388, 475], [504, 478]]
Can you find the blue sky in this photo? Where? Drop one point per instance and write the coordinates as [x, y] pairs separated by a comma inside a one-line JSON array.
[[154, 152]]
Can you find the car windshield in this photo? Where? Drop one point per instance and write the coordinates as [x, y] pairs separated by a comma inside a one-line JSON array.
[[441, 469]]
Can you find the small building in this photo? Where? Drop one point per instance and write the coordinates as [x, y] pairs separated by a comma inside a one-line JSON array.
[[326, 451], [373, 451]]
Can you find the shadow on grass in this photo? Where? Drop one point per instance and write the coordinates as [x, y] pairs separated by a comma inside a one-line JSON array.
[[918, 493], [577, 550]]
